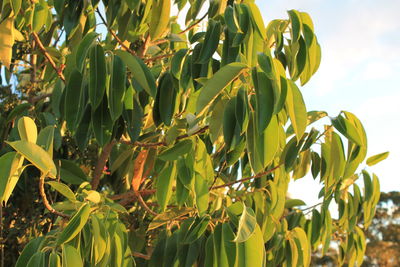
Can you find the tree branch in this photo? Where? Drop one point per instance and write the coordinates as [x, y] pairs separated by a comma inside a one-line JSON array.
[[259, 175], [158, 57], [46, 202], [143, 204], [101, 162], [194, 24], [48, 57], [140, 255], [114, 34]]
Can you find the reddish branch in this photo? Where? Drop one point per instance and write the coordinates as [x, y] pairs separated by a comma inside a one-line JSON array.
[[101, 162], [157, 58], [48, 57], [46, 202], [114, 34]]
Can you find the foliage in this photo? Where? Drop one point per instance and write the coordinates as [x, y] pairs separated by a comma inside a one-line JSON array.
[[156, 144]]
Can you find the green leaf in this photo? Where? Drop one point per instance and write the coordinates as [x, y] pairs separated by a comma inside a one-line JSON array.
[[252, 252], [348, 129], [257, 19], [37, 156], [75, 99], [159, 18], [29, 250], [75, 225], [39, 16], [295, 20], [27, 129], [179, 149], [201, 193], [293, 202], [247, 225], [167, 98], [45, 139], [231, 20], [304, 247], [296, 109], [264, 99], [116, 91], [83, 49], [63, 190], [100, 237], [377, 158], [102, 123], [316, 224], [214, 86], [10, 163], [37, 259], [17, 111], [71, 257], [97, 75], [71, 173], [197, 229], [165, 180], [140, 72], [211, 41], [54, 260]]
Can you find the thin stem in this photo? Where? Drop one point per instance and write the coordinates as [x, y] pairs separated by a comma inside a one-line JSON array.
[[259, 175], [140, 255], [114, 34], [194, 24], [143, 203], [48, 57], [101, 162], [46, 202]]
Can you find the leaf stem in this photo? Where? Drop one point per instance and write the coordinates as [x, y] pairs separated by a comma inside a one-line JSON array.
[[46, 202]]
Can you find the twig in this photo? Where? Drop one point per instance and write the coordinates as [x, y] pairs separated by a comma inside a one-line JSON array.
[[143, 204], [46, 202], [130, 194], [48, 57], [194, 24], [114, 34], [163, 143], [322, 134], [140, 255], [158, 57], [145, 46], [259, 175], [39, 97], [101, 162]]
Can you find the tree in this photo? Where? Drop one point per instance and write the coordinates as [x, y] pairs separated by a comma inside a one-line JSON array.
[[148, 143]]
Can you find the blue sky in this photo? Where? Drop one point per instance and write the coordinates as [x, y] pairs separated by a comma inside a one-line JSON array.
[[359, 72]]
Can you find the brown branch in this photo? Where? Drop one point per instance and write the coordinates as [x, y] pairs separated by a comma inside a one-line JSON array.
[[259, 175], [39, 97], [131, 194], [46, 202], [143, 204], [48, 57], [140, 255], [114, 34], [158, 57], [101, 162], [194, 24], [145, 46]]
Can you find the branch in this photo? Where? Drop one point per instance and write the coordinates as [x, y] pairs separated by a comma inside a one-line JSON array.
[[143, 204], [158, 57], [259, 175], [101, 162], [114, 34], [140, 255], [145, 46], [194, 24], [46, 202], [48, 57]]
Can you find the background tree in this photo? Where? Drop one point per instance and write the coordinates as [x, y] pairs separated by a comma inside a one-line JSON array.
[[157, 144]]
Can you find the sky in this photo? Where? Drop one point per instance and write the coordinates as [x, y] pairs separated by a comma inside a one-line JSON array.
[[359, 72]]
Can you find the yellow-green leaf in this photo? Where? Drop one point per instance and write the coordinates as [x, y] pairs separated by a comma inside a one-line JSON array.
[[247, 225], [214, 86], [36, 155], [71, 257], [164, 185], [27, 129], [63, 190], [6, 41], [377, 158], [296, 109], [75, 225], [159, 18]]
